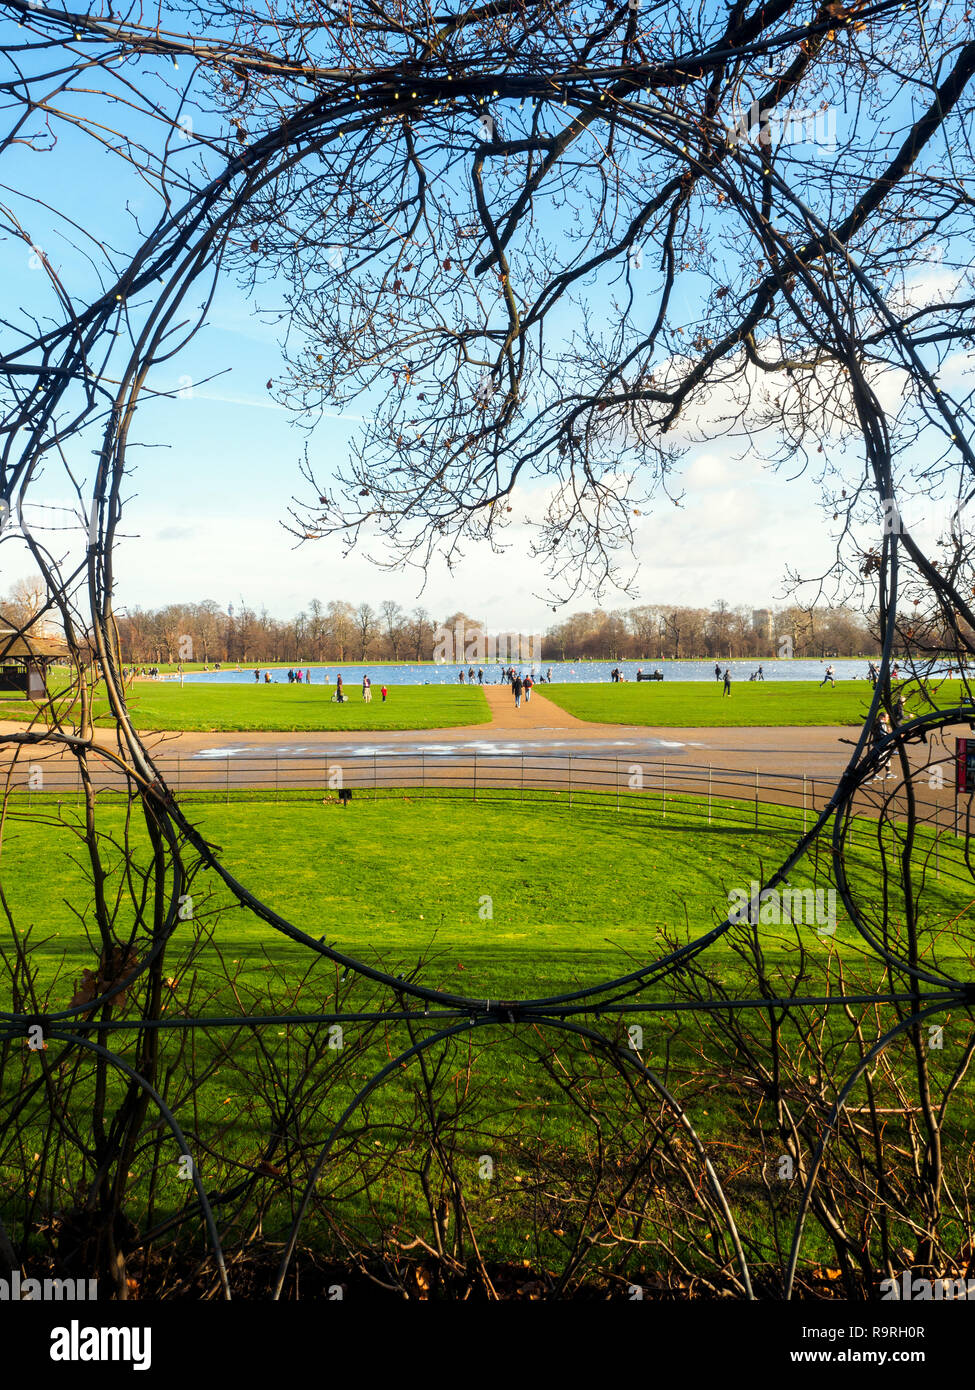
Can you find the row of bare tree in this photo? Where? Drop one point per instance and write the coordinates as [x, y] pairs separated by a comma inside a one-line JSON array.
[[341, 631]]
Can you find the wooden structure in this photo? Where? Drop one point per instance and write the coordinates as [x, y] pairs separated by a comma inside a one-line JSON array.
[[25, 657]]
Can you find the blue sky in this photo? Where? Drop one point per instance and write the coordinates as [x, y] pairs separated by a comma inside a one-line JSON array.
[[206, 502]]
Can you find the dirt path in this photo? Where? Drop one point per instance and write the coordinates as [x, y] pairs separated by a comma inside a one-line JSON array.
[[536, 713]]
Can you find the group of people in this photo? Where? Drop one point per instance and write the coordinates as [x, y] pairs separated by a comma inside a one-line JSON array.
[[522, 685], [508, 676], [299, 677], [725, 676], [294, 677], [341, 697], [873, 673]]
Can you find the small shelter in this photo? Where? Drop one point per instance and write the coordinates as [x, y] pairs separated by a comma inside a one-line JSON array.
[[25, 656]]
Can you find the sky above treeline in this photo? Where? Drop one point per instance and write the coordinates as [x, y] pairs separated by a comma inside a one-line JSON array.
[[215, 468]]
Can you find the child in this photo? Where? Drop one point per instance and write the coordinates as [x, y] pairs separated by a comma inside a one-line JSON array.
[[384, 694]]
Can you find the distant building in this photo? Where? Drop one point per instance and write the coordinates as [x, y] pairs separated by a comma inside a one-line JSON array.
[[763, 623], [25, 657]]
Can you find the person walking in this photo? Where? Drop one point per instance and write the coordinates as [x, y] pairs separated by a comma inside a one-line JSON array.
[[879, 734], [267, 677], [727, 682], [308, 678], [529, 682], [338, 688], [517, 687], [257, 675], [829, 676], [548, 676], [383, 693], [480, 676], [460, 677], [298, 677], [717, 671], [367, 691], [760, 674]]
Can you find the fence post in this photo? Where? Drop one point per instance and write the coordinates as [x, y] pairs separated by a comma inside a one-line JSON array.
[[522, 776], [617, 784], [663, 788], [709, 793], [475, 774], [803, 803], [228, 781], [570, 779], [756, 798], [375, 784]]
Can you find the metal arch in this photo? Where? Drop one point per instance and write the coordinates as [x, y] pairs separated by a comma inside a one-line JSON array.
[[831, 1130], [202, 223], [114, 1060]]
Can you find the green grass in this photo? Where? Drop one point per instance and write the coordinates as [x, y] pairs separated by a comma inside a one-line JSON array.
[[286, 708], [701, 704], [577, 894], [165, 706], [574, 893]]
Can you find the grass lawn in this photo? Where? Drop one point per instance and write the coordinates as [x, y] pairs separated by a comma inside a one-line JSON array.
[[700, 704], [288, 708], [498, 898]]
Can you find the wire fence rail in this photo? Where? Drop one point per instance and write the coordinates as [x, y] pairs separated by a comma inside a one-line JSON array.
[[715, 794]]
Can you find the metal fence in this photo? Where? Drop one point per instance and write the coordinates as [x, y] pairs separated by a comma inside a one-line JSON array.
[[668, 787]]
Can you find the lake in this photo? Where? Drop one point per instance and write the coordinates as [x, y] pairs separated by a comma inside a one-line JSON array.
[[563, 672]]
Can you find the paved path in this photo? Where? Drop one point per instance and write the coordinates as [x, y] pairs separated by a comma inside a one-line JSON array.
[[515, 745], [533, 714]]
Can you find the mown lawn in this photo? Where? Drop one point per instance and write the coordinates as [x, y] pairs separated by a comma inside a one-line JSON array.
[[701, 704], [286, 708], [498, 898]]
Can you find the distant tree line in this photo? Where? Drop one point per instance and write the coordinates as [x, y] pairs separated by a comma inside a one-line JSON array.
[[340, 632], [661, 630]]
